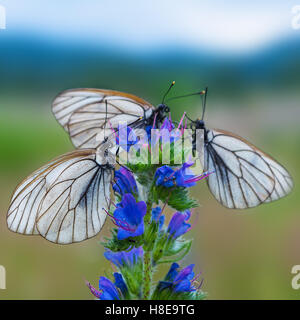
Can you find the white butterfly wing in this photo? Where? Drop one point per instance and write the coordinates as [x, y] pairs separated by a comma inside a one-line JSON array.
[[72, 209], [24, 204], [244, 176], [85, 113], [63, 201], [23, 208], [283, 180]]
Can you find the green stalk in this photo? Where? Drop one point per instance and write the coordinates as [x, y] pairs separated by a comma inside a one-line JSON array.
[[147, 218], [147, 265], [147, 269]]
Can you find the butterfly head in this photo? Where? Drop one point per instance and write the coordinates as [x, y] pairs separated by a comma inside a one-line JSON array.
[[198, 124], [161, 112], [163, 108]]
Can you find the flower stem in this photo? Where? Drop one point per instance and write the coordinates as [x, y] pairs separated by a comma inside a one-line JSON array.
[[147, 267], [147, 275], [147, 218]]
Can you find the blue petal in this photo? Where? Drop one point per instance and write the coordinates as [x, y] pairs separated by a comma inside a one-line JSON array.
[[130, 211], [155, 213], [125, 182], [185, 274], [184, 174], [157, 217], [177, 225], [167, 124], [114, 257], [172, 272], [164, 176], [120, 283], [123, 257], [161, 221], [109, 291], [123, 234], [184, 286]]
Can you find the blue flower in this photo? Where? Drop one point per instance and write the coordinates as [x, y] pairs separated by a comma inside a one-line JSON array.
[[127, 138], [165, 176], [177, 225], [128, 216], [172, 273], [180, 281], [182, 177], [175, 135], [158, 217], [107, 290], [167, 124], [125, 182], [120, 284], [123, 258], [183, 281]]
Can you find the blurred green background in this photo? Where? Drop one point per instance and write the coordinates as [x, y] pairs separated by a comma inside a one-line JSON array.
[[248, 56]]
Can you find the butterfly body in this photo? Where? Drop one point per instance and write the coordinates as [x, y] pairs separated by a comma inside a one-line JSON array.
[[161, 111]]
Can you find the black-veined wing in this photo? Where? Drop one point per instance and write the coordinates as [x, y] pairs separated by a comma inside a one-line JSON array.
[[244, 175], [85, 113], [63, 200]]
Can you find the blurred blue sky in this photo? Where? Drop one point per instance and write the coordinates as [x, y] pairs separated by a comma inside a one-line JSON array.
[[232, 26]]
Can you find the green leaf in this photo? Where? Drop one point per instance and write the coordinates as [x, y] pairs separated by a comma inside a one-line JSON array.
[[176, 197], [177, 251], [115, 245]]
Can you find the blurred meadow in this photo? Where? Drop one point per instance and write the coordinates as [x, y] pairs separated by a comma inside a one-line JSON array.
[[253, 91]]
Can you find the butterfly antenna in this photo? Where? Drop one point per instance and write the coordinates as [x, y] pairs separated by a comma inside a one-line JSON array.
[[165, 95], [188, 95], [204, 102], [189, 118]]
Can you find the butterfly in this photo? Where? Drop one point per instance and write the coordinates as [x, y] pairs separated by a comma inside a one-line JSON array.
[[63, 200], [66, 200], [244, 176], [86, 113]]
